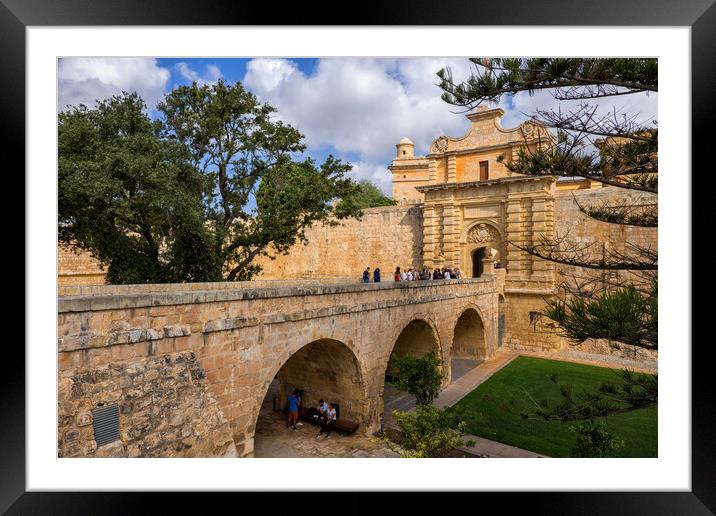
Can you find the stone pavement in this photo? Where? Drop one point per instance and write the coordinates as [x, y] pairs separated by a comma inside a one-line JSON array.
[[469, 381], [274, 439], [599, 360]]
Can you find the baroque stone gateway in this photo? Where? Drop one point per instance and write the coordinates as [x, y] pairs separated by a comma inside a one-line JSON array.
[[188, 366]]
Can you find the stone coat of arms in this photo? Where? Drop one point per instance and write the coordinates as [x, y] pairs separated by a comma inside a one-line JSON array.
[[482, 233]]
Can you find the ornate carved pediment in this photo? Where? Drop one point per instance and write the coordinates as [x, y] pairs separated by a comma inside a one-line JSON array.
[[439, 145], [482, 233]]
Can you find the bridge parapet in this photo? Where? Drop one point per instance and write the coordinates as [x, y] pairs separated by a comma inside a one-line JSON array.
[[109, 297]]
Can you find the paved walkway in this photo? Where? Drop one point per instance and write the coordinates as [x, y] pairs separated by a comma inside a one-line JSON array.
[[609, 361], [273, 439]]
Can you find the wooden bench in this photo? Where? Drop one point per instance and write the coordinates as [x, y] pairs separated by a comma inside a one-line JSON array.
[[345, 426]]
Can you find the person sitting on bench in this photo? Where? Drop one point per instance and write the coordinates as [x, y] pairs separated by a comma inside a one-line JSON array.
[[330, 422], [318, 413]]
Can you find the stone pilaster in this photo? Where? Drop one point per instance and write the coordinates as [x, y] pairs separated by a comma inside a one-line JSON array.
[[542, 225], [513, 233], [450, 237], [451, 168], [430, 230], [432, 171], [527, 236]]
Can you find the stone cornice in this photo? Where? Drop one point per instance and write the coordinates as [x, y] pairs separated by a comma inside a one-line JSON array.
[[487, 148], [106, 298], [488, 182], [418, 163]]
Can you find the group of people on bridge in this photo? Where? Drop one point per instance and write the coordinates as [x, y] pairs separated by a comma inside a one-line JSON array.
[[414, 274]]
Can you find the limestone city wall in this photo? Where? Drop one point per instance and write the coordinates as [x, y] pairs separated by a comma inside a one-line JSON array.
[[578, 227], [77, 268], [385, 237]]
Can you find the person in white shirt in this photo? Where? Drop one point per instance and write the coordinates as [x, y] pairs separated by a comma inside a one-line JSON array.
[[330, 421], [446, 275], [403, 276]]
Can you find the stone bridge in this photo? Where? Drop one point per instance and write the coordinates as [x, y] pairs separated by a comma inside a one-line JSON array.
[[189, 365]]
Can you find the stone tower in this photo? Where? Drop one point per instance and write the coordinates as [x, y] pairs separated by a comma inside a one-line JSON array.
[[405, 149]]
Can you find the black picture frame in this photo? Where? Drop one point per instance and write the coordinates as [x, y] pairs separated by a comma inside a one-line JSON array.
[[700, 15]]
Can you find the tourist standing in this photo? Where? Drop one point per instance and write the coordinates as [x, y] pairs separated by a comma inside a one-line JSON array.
[[446, 274], [397, 274], [403, 276], [293, 410], [366, 275], [376, 275], [299, 395]]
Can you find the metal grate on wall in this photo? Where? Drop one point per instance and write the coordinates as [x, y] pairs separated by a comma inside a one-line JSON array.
[[105, 420]]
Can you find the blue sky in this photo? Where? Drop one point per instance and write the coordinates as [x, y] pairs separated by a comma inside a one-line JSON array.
[[354, 108]]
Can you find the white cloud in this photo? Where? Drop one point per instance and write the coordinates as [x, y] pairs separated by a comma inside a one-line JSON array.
[[360, 106], [265, 74], [643, 105], [376, 173], [211, 75], [85, 80], [363, 107]]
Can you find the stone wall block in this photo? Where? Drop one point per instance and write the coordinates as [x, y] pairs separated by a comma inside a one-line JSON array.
[[176, 331]]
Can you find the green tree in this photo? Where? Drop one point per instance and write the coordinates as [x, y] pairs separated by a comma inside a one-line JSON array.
[[130, 197], [196, 195], [429, 432], [419, 376], [616, 149], [594, 440], [367, 195], [236, 141]]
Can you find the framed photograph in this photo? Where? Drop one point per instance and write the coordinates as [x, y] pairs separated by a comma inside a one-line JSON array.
[[312, 255]]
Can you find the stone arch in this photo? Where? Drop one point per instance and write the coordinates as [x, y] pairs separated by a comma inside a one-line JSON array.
[[425, 332], [418, 336], [469, 335], [481, 234], [323, 367]]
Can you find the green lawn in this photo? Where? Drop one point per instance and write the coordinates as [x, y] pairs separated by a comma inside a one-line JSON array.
[[493, 409]]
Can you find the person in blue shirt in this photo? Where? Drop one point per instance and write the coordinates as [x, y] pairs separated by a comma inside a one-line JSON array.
[[376, 275], [293, 410]]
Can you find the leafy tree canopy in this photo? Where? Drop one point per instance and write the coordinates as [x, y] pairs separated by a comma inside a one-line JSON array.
[[196, 195], [428, 432], [419, 376], [367, 195], [130, 197]]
